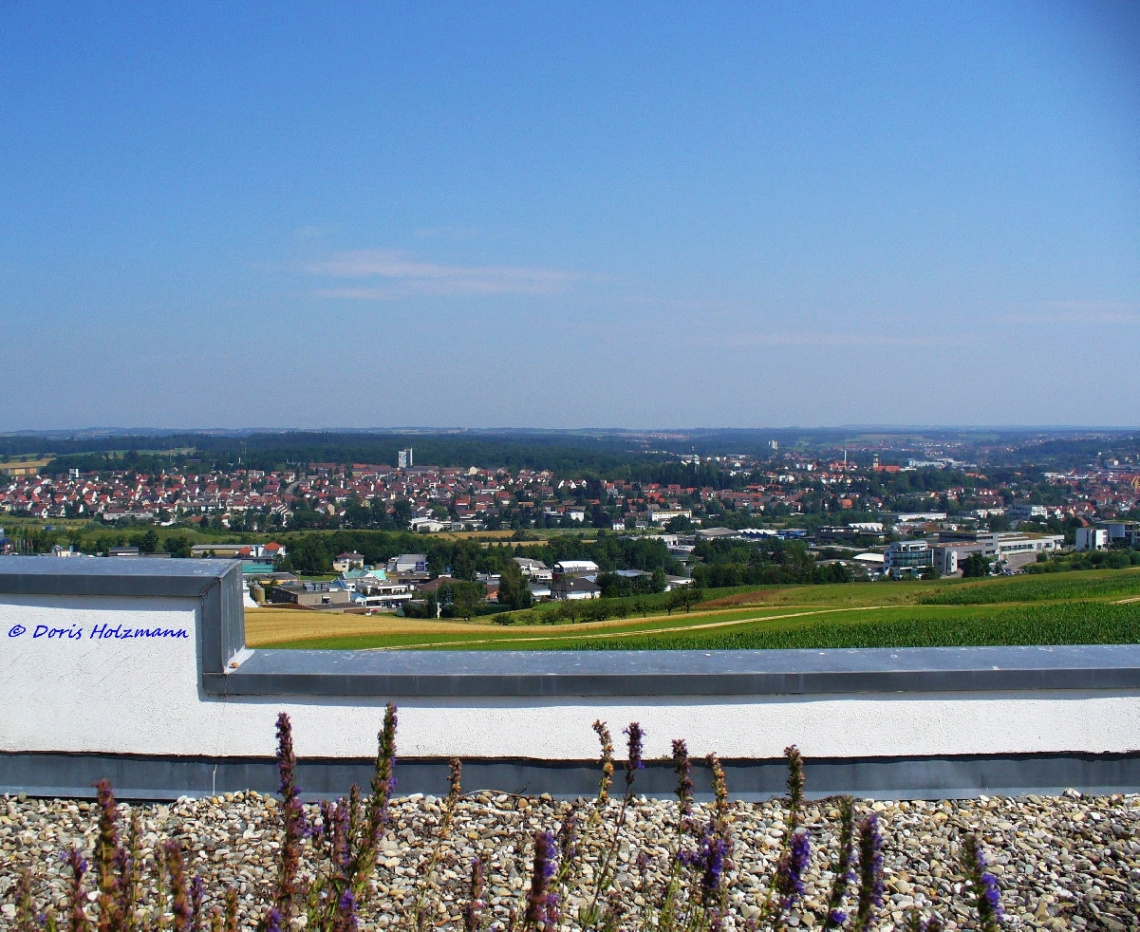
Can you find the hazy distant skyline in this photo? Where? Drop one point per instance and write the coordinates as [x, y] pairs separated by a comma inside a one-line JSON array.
[[539, 215]]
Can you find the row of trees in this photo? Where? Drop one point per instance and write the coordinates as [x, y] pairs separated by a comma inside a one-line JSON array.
[[1117, 558], [312, 554], [727, 563], [585, 610], [724, 575]]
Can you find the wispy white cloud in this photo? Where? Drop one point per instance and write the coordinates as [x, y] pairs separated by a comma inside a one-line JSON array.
[[404, 276]]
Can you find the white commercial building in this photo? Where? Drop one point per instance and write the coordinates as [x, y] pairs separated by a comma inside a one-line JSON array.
[[907, 556], [1092, 538], [575, 567]]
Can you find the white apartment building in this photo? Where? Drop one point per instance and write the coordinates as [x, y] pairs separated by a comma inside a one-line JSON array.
[[665, 515]]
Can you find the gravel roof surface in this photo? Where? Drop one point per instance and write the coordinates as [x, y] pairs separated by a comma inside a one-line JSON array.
[[1062, 862]]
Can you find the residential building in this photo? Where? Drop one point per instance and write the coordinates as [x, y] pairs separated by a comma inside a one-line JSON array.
[[1022, 511], [348, 561], [574, 588], [534, 570], [374, 592], [665, 515], [539, 591], [311, 595], [575, 568], [355, 576], [408, 564]]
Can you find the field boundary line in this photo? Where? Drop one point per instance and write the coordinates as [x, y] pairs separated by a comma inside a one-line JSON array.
[[626, 634]]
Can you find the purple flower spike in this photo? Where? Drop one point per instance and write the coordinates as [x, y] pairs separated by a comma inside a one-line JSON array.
[[842, 866], [76, 894], [791, 868], [870, 870], [709, 860], [683, 768], [293, 813], [341, 850], [541, 909], [987, 896], [634, 762], [714, 868], [76, 861], [549, 848], [345, 913], [473, 910], [197, 897]]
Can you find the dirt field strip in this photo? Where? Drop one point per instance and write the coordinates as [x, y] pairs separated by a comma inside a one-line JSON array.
[[1135, 598], [265, 628], [625, 634]]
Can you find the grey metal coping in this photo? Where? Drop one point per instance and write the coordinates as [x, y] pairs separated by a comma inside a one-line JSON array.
[[214, 584], [566, 674], [131, 576]]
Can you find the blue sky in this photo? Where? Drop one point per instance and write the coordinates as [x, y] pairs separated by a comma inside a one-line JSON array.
[[566, 215]]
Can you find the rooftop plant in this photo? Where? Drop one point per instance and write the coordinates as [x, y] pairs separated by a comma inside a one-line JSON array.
[[328, 857]]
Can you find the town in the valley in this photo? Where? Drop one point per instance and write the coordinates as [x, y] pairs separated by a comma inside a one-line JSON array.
[[857, 512]]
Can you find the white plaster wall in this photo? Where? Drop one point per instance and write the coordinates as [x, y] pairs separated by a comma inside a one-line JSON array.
[[141, 696]]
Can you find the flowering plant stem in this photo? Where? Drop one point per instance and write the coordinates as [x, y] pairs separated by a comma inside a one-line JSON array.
[[591, 915], [419, 917]]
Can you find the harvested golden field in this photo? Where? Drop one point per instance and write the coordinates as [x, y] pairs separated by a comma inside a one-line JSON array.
[[271, 627], [267, 626]]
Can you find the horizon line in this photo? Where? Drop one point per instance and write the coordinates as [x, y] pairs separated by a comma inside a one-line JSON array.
[[411, 429]]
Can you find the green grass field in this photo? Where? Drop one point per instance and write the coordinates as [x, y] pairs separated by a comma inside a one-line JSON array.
[[1098, 607]]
